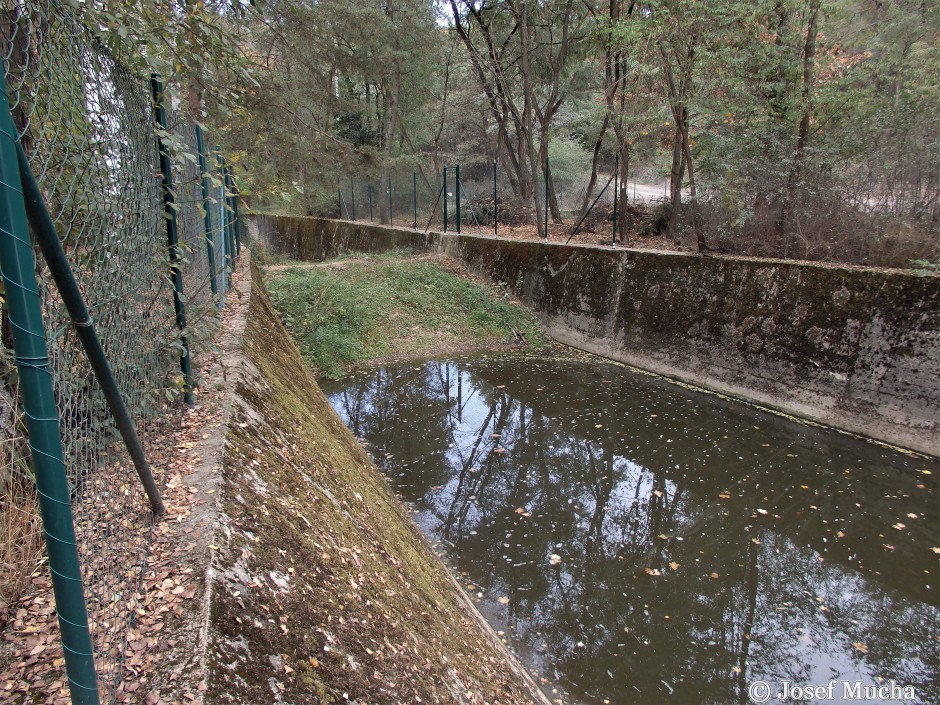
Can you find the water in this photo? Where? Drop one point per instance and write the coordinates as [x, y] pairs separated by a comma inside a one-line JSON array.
[[639, 542]]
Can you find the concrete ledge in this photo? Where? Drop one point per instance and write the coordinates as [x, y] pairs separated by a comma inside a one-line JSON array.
[[853, 348]]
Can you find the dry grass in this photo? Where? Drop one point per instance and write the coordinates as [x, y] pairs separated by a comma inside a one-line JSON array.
[[21, 545]]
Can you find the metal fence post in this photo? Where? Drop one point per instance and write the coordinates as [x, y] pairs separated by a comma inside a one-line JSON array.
[[232, 203], [414, 193], [546, 197], [495, 207], [230, 220], [457, 191], [613, 240], [207, 212], [236, 221], [371, 218], [227, 251], [172, 236], [32, 358], [445, 199], [352, 193], [390, 199]]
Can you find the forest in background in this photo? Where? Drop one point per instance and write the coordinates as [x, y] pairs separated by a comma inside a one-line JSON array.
[[805, 129]]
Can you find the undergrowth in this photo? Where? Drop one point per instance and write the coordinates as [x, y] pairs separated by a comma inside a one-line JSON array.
[[369, 308]]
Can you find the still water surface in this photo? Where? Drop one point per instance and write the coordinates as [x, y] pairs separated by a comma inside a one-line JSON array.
[[640, 542]]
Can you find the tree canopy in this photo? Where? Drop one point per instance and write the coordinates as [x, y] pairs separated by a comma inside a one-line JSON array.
[[799, 128]]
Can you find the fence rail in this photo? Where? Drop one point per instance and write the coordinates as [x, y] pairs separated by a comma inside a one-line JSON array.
[[114, 182]]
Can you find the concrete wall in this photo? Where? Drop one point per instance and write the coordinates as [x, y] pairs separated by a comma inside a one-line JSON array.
[[856, 349]]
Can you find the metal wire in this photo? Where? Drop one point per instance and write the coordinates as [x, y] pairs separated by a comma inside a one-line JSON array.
[[86, 124]]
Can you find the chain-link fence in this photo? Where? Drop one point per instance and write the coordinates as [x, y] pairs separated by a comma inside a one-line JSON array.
[[87, 127]]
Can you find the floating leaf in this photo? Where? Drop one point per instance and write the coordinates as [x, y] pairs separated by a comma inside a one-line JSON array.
[[861, 647], [674, 565], [554, 559], [899, 526], [503, 600], [651, 571], [714, 576]]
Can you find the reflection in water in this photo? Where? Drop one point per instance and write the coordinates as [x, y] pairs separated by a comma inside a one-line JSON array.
[[640, 542]]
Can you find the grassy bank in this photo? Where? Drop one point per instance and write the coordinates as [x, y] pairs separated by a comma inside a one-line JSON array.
[[358, 309]]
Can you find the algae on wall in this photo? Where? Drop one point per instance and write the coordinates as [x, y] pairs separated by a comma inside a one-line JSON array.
[[325, 590]]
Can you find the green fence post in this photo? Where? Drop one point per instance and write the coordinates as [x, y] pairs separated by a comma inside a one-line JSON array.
[[445, 199], [546, 198], [414, 193], [495, 208], [457, 191], [172, 236], [352, 191], [207, 212], [233, 208], [228, 255], [613, 239], [32, 358], [390, 199], [371, 217], [236, 220], [230, 220]]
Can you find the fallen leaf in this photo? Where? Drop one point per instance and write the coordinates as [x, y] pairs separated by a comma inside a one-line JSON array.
[[861, 647], [651, 571], [713, 576], [554, 559], [674, 565], [503, 600]]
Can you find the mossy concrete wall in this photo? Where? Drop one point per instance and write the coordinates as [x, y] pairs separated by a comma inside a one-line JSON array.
[[854, 348], [322, 589]]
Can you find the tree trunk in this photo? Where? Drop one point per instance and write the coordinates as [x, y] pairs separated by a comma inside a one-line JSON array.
[[528, 102], [592, 182], [806, 105]]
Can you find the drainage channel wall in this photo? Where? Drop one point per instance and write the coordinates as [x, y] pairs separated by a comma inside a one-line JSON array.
[[854, 348]]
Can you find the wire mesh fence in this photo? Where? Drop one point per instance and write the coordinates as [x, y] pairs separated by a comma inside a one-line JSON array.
[[489, 198], [87, 126]]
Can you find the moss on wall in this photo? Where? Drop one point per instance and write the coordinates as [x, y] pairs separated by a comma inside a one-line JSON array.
[[855, 348], [324, 590]]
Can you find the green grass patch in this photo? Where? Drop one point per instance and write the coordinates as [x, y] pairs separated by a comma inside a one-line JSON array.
[[363, 309]]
